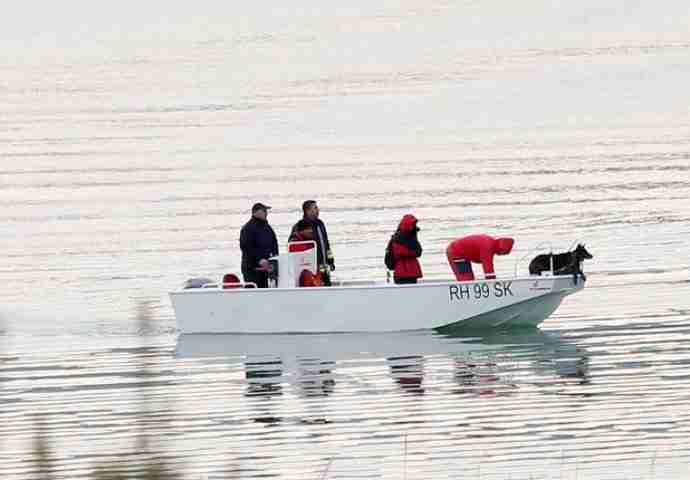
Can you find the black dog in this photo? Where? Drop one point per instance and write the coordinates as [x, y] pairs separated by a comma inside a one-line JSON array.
[[563, 263]]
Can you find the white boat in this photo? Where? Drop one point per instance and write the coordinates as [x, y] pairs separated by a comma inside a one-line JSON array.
[[368, 306]]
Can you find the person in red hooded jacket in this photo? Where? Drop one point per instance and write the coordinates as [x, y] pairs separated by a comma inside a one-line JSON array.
[[406, 250], [465, 251]]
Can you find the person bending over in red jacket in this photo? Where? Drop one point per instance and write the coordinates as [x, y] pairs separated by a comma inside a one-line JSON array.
[[465, 251], [406, 249]]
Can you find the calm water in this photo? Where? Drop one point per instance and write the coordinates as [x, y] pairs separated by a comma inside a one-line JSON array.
[[132, 147]]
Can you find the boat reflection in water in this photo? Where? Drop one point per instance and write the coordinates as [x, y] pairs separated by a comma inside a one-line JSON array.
[[480, 376], [314, 380], [326, 347], [535, 358], [315, 377], [490, 364], [264, 377], [264, 374], [408, 372]]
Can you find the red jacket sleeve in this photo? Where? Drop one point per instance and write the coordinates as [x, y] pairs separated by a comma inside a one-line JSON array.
[[488, 263]]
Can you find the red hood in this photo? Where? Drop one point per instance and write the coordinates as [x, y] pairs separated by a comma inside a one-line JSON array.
[[408, 223], [504, 245]]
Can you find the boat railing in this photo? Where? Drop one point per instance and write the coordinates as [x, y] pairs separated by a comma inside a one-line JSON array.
[[355, 283], [229, 285], [540, 246]]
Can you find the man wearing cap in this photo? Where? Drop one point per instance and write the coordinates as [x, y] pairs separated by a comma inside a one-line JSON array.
[[258, 242], [324, 256]]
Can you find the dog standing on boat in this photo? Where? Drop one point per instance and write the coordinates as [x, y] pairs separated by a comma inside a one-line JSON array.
[[563, 263]]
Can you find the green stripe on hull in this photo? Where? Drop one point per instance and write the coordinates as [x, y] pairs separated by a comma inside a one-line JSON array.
[[526, 314]]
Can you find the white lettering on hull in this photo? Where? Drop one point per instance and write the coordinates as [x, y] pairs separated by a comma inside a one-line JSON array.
[[460, 293]]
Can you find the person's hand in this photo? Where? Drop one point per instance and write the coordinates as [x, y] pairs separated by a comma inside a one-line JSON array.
[[325, 268], [263, 265]]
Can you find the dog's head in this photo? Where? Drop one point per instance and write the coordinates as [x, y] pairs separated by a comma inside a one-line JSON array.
[[581, 253]]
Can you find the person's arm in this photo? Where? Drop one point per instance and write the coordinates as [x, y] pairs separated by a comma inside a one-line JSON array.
[[488, 265], [418, 248], [275, 243], [330, 260], [293, 233], [247, 244], [326, 243]]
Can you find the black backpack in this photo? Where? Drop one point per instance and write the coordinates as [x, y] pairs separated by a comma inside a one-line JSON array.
[[389, 259]]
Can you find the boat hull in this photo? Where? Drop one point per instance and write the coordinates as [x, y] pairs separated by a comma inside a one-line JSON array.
[[373, 307]]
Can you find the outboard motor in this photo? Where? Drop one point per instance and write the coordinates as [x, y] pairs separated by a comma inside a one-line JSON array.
[[198, 282]]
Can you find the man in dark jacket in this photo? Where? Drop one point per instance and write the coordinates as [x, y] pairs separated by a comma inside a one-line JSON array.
[[324, 256], [258, 242]]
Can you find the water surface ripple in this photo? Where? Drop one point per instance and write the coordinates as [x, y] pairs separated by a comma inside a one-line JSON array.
[[131, 149]]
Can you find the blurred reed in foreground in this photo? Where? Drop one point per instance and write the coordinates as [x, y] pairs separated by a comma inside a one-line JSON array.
[[148, 465]]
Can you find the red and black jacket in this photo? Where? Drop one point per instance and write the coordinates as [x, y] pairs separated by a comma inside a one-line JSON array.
[[406, 249]]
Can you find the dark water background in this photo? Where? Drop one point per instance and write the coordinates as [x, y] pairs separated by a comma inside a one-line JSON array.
[[131, 149]]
